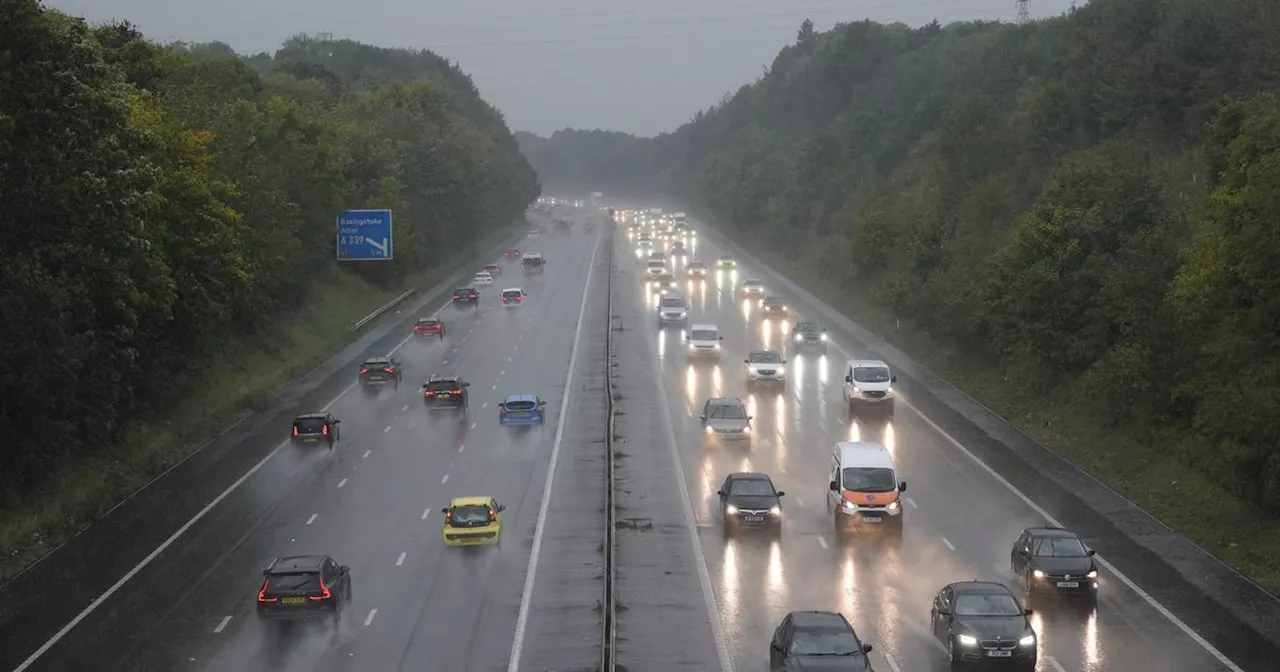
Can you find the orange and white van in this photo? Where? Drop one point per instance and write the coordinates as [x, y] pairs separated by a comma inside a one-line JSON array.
[[863, 489]]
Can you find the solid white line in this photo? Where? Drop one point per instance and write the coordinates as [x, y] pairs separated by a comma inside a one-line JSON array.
[[531, 573], [1053, 662], [893, 664], [366, 454], [445, 479], [222, 625], [822, 542], [342, 482], [948, 543], [313, 517], [400, 560], [425, 513], [369, 619]]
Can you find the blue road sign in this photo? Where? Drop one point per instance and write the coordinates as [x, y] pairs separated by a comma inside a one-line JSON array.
[[364, 235]]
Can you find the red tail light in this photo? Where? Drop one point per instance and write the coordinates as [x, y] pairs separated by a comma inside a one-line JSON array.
[[326, 430], [520, 298], [428, 393], [493, 515], [262, 594], [458, 391], [389, 369], [502, 410], [364, 370], [324, 594], [295, 430], [457, 295], [505, 299]]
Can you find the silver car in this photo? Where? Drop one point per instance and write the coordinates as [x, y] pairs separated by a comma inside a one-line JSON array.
[[725, 418], [672, 309], [765, 366]]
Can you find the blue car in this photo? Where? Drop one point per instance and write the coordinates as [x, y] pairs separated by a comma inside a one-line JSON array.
[[521, 410]]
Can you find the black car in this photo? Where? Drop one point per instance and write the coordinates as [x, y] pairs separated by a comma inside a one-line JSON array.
[[748, 499], [316, 428], [981, 623], [447, 393], [1053, 560], [817, 640], [773, 307], [304, 586], [467, 295], [378, 371], [809, 335]]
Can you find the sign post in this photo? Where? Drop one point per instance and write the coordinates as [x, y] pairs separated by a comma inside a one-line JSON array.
[[364, 235]]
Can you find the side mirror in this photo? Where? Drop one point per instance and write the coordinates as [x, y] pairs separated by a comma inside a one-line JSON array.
[[784, 361], [466, 384], [1091, 552], [781, 493], [943, 611], [833, 486], [721, 338], [337, 421], [720, 492], [703, 417], [848, 379], [1027, 611], [776, 645], [444, 510], [346, 569], [750, 418], [902, 486], [893, 379], [746, 361], [424, 386], [866, 648], [502, 507], [266, 572], [542, 403]]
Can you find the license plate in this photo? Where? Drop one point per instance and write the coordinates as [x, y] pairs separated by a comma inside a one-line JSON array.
[[520, 415], [999, 654], [310, 439], [1068, 584], [753, 519], [375, 377], [877, 519], [293, 600]]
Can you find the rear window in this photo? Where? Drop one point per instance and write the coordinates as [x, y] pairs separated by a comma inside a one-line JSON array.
[[673, 302], [656, 263], [293, 581], [703, 335], [727, 412], [309, 425], [520, 405], [532, 261], [511, 293], [442, 386], [470, 515], [426, 321], [376, 363]]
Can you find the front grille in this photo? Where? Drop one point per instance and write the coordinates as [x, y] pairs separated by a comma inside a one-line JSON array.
[[766, 372], [875, 395], [998, 645], [728, 431]]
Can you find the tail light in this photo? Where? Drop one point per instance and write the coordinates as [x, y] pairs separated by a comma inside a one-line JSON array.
[[502, 410], [457, 295], [326, 430], [493, 515], [390, 369], [295, 430], [324, 591], [428, 393], [505, 299], [520, 298], [364, 370], [262, 594]]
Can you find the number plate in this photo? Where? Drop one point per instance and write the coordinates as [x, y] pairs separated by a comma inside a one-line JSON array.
[[753, 519], [375, 377], [999, 654], [875, 520], [293, 600], [445, 395], [1068, 584]]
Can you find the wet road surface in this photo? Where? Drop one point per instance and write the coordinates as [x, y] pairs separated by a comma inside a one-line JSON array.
[[960, 522], [374, 504]]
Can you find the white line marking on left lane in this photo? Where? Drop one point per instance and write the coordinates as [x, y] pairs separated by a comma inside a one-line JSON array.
[[400, 560], [822, 542], [342, 482], [948, 543], [313, 517], [222, 625], [445, 479], [369, 619]]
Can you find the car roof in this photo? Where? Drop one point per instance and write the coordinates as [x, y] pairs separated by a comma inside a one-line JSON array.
[[696, 263], [492, 266], [296, 563], [711, 327], [483, 273], [512, 289], [437, 378], [726, 256], [674, 296], [980, 588], [311, 416], [864, 454], [532, 255], [474, 500], [520, 397], [1049, 531], [803, 619], [749, 476]]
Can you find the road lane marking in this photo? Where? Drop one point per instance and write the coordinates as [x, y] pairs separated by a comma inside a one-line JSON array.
[[222, 625], [387, 429], [400, 560], [484, 405], [473, 425], [501, 374], [313, 517], [822, 542], [366, 454], [531, 573], [406, 407], [445, 479], [948, 543], [495, 386], [799, 502], [369, 619], [510, 358], [912, 502], [1053, 662], [425, 513], [461, 447], [342, 482], [516, 347]]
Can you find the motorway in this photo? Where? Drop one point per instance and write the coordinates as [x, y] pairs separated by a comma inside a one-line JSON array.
[[374, 504], [960, 521]]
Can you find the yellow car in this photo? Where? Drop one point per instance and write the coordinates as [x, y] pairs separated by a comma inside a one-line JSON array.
[[472, 521]]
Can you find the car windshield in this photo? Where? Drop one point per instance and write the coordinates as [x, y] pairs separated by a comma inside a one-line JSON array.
[[871, 374], [531, 261], [1060, 547], [773, 301], [808, 327], [751, 487], [520, 405], [754, 283], [697, 265], [309, 425], [727, 412], [294, 581], [673, 302], [482, 275], [993, 604], [703, 335], [442, 385], [463, 290], [824, 640], [765, 358], [868, 479], [470, 515]]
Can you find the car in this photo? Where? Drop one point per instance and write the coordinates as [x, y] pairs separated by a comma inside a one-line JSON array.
[[429, 326], [534, 234], [304, 586], [472, 521], [868, 384], [655, 267], [810, 335], [521, 410], [817, 640], [696, 269], [704, 341], [513, 297], [749, 500], [533, 262], [981, 624], [773, 306], [765, 366], [466, 295], [1053, 560], [512, 254], [663, 284], [677, 248], [446, 393], [379, 371], [672, 309], [659, 255], [753, 287], [725, 418], [492, 269], [644, 241], [483, 278], [316, 428], [726, 261]]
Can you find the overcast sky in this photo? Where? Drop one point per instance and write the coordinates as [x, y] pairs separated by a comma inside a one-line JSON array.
[[640, 66]]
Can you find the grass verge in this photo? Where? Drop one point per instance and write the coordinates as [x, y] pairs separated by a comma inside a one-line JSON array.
[[1139, 463], [245, 378]]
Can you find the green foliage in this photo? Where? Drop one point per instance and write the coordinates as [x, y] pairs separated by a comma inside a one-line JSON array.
[[165, 201]]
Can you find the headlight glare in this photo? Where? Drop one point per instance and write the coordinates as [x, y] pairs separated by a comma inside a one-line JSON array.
[[1029, 640], [824, 337], [966, 640], [775, 511], [1093, 574], [1038, 574], [731, 509], [893, 506]]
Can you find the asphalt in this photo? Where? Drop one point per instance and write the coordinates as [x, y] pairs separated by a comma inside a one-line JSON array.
[[960, 520], [372, 503]]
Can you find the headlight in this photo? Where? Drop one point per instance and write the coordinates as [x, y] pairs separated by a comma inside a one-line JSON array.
[[966, 640], [775, 511], [801, 338], [893, 506], [746, 430], [731, 509], [782, 370], [717, 346], [709, 430], [824, 337], [1038, 574], [1093, 574], [1029, 640]]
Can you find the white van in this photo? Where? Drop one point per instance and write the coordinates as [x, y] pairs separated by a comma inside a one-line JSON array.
[[704, 340], [655, 267], [863, 488], [868, 383]]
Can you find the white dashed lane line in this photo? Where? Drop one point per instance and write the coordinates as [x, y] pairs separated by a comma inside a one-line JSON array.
[[912, 502], [222, 625], [445, 479], [799, 502], [461, 447], [342, 482], [400, 560], [1053, 662], [495, 386], [948, 543], [366, 454], [388, 428], [510, 358], [484, 405], [473, 425], [425, 513], [313, 517], [501, 374], [368, 620], [822, 542], [406, 407]]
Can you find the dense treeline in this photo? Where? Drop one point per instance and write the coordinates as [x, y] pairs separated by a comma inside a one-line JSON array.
[[1090, 202], [163, 199]]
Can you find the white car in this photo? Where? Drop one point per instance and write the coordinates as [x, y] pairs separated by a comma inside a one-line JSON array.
[[696, 269], [704, 340], [535, 234], [513, 297], [645, 241], [765, 366], [753, 287], [671, 309], [655, 267], [483, 278]]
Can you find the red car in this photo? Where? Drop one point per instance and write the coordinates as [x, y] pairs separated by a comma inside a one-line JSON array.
[[493, 269], [429, 326], [512, 254]]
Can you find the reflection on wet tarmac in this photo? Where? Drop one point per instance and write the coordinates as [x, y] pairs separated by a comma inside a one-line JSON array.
[[746, 309], [691, 383], [662, 344], [717, 383], [777, 586]]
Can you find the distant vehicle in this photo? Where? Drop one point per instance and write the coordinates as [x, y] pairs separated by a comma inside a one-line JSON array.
[[316, 428], [535, 234], [472, 521], [677, 248], [513, 297], [429, 326], [1053, 560], [380, 371], [765, 366], [753, 287], [817, 640], [466, 295], [655, 267], [521, 410], [726, 261], [445, 393], [533, 263], [663, 284], [512, 254], [644, 241], [483, 279], [493, 269], [725, 418], [748, 499], [810, 335], [696, 269], [704, 340], [981, 623], [672, 309], [774, 307], [304, 586]]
